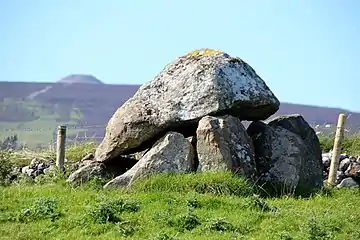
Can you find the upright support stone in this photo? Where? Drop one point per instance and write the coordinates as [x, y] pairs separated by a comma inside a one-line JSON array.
[[60, 148], [336, 150]]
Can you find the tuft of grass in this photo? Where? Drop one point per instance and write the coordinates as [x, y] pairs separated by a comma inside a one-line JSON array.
[[222, 183], [5, 166], [219, 224], [350, 144], [42, 208], [73, 153], [76, 152], [109, 210], [188, 221], [317, 231]]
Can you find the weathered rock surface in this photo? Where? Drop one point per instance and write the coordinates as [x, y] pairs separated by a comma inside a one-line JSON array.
[[86, 173], [348, 183], [223, 144], [36, 168], [312, 166], [286, 161], [187, 89], [344, 164], [354, 171], [173, 153], [348, 172]]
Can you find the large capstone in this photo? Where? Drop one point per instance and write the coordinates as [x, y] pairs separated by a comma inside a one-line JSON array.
[[201, 83]]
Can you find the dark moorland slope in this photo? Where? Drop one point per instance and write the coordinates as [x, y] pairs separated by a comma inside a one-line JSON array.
[[37, 108]]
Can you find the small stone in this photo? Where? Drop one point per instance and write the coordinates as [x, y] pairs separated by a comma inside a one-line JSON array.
[[42, 166], [86, 173], [34, 162], [26, 212], [348, 183], [25, 169], [36, 173], [88, 156], [326, 161], [354, 171], [352, 159], [30, 172], [344, 164], [339, 176], [343, 156], [325, 175]]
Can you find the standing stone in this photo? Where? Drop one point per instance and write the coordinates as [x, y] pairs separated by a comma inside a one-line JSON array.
[[312, 166], [284, 160], [223, 144], [200, 83], [173, 153]]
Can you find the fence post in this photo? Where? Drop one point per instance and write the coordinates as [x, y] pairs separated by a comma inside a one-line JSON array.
[[334, 165], [60, 147]]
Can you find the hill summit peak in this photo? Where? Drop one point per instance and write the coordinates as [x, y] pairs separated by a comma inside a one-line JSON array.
[[80, 78]]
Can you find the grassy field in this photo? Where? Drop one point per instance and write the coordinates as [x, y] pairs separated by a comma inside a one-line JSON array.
[[38, 130], [187, 206], [174, 207], [350, 144]]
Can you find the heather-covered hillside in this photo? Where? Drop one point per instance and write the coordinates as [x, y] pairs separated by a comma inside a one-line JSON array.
[[33, 110]]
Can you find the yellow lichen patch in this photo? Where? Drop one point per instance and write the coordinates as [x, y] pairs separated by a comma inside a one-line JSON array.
[[204, 52]]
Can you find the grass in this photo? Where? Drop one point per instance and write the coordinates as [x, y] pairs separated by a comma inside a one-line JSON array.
[[155, 209], [350, 144], [168, 206], [74, 153], [38, 132]]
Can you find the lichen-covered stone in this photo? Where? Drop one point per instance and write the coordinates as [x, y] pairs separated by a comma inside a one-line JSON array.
[[348, 183], [86, 173], [286, 162], [171, 154], [223, 144], [187, 89], [295, 123]]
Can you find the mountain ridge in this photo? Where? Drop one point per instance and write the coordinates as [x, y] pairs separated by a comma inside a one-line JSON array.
[[86, 109]]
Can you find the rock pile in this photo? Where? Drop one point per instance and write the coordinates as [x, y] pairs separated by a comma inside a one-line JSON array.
[[42, 166], [189, 119], [36, 168], [348, 173]]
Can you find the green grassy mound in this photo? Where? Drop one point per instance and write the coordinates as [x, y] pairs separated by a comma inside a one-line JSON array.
[[183, 206], [205, 206]]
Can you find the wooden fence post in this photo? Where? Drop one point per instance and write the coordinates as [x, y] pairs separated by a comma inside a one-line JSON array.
[[334, 165], [60, 147]]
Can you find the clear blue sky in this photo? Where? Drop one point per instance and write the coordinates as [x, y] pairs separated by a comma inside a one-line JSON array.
[[307, 51]]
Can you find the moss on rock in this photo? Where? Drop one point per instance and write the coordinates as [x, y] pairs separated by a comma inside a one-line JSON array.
[[205, 52]]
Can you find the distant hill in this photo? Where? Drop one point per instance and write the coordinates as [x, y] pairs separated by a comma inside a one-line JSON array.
[[85, 104], [80, 78]]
